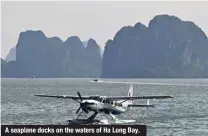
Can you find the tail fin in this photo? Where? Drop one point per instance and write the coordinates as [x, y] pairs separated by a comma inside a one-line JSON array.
[[130, 93], [148, 102]]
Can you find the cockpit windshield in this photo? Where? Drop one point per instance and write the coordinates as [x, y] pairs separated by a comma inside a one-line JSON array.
[[97, 98]]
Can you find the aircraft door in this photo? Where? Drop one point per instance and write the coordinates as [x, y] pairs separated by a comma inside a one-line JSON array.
[[113, 103]]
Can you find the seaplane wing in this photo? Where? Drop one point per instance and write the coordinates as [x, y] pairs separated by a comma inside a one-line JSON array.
[[106, 97], [63, 96], [136, 97]]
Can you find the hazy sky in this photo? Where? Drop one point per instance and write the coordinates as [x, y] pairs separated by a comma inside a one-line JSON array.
[[98, 20]]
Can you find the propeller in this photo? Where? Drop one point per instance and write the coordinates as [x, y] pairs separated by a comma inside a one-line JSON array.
[[82, 104], [80, 97], [78, 110]]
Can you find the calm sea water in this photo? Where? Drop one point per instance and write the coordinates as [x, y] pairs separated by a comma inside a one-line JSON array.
[[186, 114]]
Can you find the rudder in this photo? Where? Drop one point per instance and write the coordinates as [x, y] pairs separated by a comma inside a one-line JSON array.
[[130, 93]]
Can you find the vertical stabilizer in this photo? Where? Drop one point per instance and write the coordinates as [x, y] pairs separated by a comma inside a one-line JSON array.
[[130, 93], [148, 102]]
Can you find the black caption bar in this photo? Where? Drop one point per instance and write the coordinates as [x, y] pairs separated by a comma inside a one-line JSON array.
[[73, 130]]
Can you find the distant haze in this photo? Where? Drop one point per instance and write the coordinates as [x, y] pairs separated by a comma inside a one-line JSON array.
[[97, 20]]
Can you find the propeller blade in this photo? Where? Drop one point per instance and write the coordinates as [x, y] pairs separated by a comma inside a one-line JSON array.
[[78, 109], [79, 96]]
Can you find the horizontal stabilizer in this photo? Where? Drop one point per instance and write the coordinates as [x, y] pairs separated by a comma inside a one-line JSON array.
[[135, 105]]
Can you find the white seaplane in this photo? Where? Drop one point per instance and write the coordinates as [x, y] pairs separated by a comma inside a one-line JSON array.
[[111, 105]]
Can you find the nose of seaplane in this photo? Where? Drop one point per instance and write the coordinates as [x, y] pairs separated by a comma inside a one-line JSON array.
[[87, 105], [90, 104]]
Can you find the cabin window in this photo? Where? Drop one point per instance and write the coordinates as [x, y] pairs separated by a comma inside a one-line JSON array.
[[117, 104]]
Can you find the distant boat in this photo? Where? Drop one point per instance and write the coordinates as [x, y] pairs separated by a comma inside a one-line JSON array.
[[95, 80], [33, 77]]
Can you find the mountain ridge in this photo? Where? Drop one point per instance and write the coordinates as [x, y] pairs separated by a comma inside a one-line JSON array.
[[168, 47], [40, 56]]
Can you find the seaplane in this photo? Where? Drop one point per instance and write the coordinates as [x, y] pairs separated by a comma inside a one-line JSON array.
[[110, 105]]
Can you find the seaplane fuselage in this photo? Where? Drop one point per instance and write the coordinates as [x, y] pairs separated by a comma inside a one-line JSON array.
[[100, 104]]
